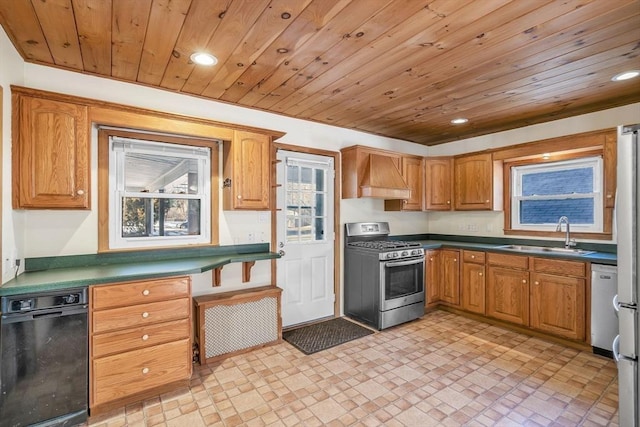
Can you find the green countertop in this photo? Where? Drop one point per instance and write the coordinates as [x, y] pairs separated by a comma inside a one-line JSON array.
[[73, 273], [596, 257]]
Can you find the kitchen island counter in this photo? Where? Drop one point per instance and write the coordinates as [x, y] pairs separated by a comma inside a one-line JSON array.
[[45, 274]]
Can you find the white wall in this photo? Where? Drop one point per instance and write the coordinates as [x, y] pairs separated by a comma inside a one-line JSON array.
[[492, 223], [11, 72]]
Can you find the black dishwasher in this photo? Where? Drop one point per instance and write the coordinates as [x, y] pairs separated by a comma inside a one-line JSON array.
[[44, 358]]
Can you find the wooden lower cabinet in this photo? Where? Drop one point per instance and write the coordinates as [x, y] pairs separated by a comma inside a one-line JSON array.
[[473, 282], [432, 277], [507, 295], [140, 340], [558, 305], [450, 276]]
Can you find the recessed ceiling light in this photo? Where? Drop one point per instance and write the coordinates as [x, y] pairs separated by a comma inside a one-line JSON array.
[[546, 156], [202, 58], [459, 121], [626, 75]]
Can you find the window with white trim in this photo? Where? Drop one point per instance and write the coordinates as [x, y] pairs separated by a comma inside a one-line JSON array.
[[159, 194], [543, 192]]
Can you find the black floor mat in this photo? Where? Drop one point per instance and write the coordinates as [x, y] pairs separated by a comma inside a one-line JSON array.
[[320, 336]]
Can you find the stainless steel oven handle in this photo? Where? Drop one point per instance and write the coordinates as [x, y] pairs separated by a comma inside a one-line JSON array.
[[403, 263]]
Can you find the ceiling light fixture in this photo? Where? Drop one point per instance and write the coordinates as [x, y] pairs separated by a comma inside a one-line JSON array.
[[459, 121], [626, 75], [202, 58]]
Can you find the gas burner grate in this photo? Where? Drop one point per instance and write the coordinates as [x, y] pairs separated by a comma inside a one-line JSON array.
[[384, 244]]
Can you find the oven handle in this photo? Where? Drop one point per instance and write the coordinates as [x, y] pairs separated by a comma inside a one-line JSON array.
[[403, 263]]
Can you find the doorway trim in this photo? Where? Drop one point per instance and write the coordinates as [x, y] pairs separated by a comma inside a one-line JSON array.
[[336, 212]]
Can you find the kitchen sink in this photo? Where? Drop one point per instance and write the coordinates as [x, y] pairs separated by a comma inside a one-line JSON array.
[[545, 249]]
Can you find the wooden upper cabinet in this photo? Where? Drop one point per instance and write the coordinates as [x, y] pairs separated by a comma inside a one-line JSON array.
[[51, 153], [474, 182], [246, 171], [438, 195], [413, 174], [610, 170]]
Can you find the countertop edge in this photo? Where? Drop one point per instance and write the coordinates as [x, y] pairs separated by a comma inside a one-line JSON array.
[[62, 278]]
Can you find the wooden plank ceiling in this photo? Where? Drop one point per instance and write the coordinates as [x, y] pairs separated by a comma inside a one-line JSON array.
[[399, 68]]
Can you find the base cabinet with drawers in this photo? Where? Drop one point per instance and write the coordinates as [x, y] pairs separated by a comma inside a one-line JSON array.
[[140, 340], [542, 294]]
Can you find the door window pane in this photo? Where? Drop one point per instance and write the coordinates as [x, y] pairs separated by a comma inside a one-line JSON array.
[[306, 203]]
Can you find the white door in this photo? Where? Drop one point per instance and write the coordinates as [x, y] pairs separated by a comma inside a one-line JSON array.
[[305, 234]]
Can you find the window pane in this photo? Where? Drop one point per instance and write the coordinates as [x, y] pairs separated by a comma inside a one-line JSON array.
[[320, 204], [319, 180], [292, 177], [579, 181], [306, 177], [152, 173], [320, 228], [579, 211], [149, 217]]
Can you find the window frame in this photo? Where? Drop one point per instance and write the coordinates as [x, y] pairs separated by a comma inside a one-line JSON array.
[[535, 155], [105, 214], [517, 173]]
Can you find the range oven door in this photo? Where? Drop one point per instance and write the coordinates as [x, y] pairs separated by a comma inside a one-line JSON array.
[[401, 283]]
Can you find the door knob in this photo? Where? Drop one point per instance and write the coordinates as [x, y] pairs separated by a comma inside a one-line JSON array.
[[281, 252]]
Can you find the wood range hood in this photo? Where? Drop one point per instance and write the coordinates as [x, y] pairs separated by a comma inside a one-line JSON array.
[[382, 180]]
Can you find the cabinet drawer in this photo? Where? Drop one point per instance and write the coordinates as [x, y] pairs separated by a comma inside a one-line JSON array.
[[139, 292], [146, 336], [504, 260], [473, 256], [124, 374], [565, 268], [139, 315]]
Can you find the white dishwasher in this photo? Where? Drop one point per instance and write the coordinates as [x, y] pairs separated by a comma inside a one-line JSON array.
[[604, 319]]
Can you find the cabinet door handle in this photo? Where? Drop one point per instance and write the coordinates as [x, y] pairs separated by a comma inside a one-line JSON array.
[[145, 314], [486, 201], [239, 196], [80, 192], [524, 281], [448, 202], [145, 292], [536, 283], [479, 274]]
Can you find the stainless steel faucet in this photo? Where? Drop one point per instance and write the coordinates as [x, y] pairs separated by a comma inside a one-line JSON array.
[[568, 242]]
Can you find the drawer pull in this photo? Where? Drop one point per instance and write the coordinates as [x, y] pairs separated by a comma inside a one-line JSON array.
[[145, 337], [145, 314], [145, 292], [473, 256], [145, 371]]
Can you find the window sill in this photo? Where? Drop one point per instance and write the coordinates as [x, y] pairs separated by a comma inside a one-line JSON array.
[[554, 234]]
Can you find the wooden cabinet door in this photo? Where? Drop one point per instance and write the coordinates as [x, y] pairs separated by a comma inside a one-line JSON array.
[[438, 184], [473, 287], [450, 276], [558, 305], [247, 172], [473, 182], [507, 296], [432, 277], [51, 155]]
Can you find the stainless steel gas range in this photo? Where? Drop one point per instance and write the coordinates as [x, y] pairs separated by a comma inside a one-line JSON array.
[[383, 278]]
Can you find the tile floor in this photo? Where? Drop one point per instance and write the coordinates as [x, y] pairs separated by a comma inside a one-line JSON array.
[[440, 370]]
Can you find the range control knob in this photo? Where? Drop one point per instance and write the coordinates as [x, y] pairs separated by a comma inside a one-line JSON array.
[[415, 252], [70, 299], [405, 253]]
